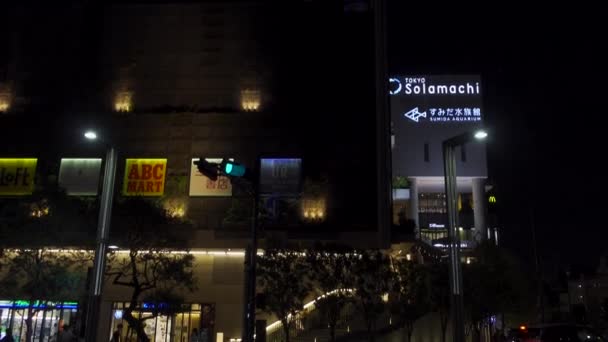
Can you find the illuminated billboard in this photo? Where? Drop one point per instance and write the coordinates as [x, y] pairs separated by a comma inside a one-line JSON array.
[[280, 175], [436, 99], [17, 176], [80, 176], [144, 177], [201, 185], [427, 110]]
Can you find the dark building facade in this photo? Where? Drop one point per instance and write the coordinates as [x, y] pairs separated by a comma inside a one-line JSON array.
[[168, 82]]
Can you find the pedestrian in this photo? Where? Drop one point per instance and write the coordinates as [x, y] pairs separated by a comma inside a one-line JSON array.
[[195, 337], [68, 334], [116, 335], [8, 337]]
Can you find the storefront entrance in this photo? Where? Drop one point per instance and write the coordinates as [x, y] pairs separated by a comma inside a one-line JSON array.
[[49, 318], [177, 327]]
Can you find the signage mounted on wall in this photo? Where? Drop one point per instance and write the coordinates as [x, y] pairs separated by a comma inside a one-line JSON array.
[[280, 176], [144, 177], [17, 176], [80, 176], [436, 99], [201, 185]]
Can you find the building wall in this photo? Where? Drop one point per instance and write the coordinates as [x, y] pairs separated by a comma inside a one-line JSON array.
[[199, 55]]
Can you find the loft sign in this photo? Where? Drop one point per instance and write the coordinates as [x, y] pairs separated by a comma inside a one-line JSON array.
[[144, 177], [17, 176]]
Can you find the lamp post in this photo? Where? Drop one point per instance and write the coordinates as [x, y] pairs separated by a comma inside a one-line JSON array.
[[455, 270], [103, 232]]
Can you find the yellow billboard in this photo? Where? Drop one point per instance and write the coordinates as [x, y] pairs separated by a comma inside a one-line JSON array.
[[17, 176], [144, 177]]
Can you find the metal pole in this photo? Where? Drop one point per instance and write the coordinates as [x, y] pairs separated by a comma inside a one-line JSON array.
[[383, 140], [539, 274], [103, 232], [251, 265], [449, 163]]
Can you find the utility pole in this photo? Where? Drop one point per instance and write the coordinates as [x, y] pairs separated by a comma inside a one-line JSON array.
[[539, 276]]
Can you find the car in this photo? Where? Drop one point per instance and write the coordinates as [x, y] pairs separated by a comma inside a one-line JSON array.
[[557, 332]]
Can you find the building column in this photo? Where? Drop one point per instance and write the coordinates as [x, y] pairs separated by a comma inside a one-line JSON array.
[[479, 207], [413, 214]]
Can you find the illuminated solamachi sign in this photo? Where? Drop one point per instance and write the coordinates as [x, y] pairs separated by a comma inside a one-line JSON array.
[[144, 177], [418, 86], [17, 176], [436, 99]]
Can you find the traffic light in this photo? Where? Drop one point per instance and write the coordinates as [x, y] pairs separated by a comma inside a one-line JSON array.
[[230, 168], [210, 170]]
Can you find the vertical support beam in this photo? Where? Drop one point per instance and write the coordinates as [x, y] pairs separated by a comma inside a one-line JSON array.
[[479, 207], [413, 214], [383, 139], [449, 164]]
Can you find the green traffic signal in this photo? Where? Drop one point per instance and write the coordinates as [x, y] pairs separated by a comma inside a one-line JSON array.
[[233, 169]]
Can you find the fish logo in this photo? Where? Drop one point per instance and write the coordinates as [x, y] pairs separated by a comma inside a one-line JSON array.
[[414, 114]]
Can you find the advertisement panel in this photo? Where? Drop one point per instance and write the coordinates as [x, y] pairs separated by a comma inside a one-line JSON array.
[[436, 99], [17, 176], [427, 110], [201, 185], [80, 176], [280, 175], [144, 177]]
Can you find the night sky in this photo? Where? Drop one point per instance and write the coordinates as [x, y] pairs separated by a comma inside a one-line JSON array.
[[544, 77], [544, 72]]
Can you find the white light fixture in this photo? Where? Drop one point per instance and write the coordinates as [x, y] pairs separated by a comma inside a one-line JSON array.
[[113, 247], [91, 135], [481, 134]]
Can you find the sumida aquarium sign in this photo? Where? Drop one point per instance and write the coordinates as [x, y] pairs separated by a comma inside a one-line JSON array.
[[436, 98]]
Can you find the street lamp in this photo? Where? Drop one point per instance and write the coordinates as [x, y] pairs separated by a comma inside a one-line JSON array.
[[103, 233], [449, 164]]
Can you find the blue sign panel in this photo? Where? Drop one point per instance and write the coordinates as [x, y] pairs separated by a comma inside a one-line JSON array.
[[280, 176]]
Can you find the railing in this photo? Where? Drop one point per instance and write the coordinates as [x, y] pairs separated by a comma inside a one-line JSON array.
[[439, 237], [310, 321]]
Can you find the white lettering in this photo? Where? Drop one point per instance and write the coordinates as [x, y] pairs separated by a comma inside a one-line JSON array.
[[418, 86]]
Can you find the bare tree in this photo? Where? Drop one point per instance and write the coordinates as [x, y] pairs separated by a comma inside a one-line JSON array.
[[151, 267]]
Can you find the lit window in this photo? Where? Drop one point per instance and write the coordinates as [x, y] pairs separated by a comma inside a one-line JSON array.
[[175, 208], [251, 100], [123, 102], [5, 102], [313, 209]]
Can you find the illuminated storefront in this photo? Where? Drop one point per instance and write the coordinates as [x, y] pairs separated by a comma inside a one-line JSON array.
[[48, 320], [161, 326]]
